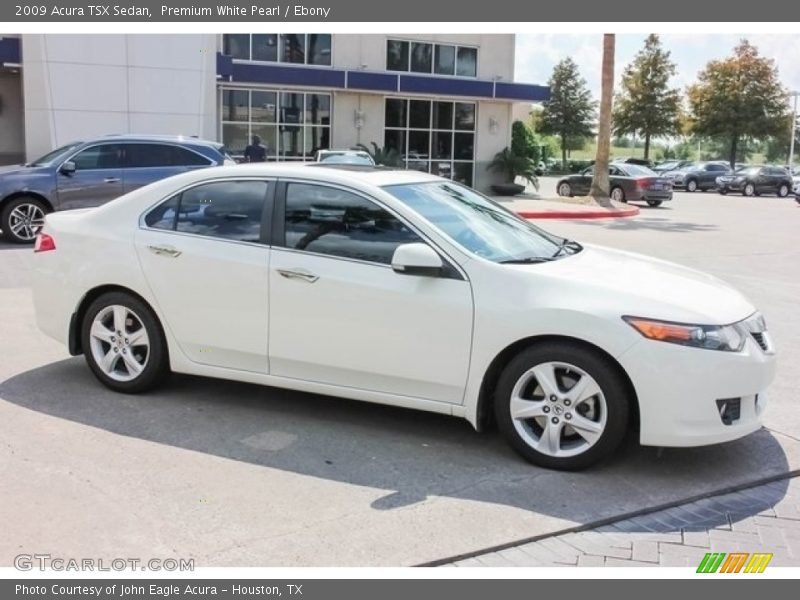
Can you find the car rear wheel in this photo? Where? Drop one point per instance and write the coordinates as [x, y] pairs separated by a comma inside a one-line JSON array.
[[691, 185], [618, 194], [564, 189], [22, 218], [749, 190], [654, 203], [783, 191], [723, 191], [562, 406], [123, 343]]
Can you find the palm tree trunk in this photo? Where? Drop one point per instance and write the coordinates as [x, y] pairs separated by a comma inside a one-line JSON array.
[[600, 184]]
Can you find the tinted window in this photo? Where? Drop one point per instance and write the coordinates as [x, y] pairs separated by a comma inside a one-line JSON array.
[[187, 158], [467, 62], [147, 155], [396, 55], [331, 221], [319, 49], [421, 60], [106, 156], [445, 63], [717, 168], [225, 209]]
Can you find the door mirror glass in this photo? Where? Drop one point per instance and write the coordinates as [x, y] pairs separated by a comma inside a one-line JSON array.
[[68, 168], [417, 259]]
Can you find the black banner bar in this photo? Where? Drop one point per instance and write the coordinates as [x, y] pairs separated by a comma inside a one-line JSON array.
[[516, 11]]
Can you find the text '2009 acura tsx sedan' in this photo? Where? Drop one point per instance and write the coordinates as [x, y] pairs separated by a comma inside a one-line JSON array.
[[406, 289]]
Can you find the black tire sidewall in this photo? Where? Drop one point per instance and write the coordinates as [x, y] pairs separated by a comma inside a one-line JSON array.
[[158, 362], [6, 213], [606, 375]]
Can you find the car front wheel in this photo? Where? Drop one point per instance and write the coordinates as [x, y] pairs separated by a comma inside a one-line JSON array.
[[783, 191], [654, 203], [22, 218], [691, 185], [562, 406], [749, 190], [564, 189], [618, 194], [123, 343]]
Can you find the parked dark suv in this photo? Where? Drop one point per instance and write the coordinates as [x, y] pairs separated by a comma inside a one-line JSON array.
[[697, 176], [84, 174], [754, 181]]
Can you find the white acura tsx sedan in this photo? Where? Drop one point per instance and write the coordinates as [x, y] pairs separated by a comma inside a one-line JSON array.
[[407, 289]]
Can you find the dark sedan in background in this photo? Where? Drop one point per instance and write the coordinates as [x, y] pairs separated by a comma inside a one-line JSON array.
[[757, 180], [671, 165], [90, 173], [698, 175], [629, 183]]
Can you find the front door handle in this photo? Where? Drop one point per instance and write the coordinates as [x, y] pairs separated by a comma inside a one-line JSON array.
[[165, 251], [298, 274], [111, 179]]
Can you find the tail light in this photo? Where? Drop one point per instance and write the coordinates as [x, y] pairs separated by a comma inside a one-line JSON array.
[[44, 243], [644, 183]]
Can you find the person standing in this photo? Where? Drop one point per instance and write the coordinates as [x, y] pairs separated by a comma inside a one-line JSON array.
[[255, 152]]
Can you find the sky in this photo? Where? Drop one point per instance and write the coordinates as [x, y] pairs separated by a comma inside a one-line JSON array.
[[536, 55]]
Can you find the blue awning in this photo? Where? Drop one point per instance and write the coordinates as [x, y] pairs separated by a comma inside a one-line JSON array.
[[10, 51], [368, 81]]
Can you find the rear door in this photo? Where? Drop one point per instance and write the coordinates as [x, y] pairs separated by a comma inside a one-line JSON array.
[[146, 162], [97, 177]]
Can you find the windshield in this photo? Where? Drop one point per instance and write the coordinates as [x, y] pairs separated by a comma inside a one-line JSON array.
[[53, 155], [478, 224], [637, 171]]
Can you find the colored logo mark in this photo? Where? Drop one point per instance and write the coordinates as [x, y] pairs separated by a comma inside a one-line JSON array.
[[735, 562]]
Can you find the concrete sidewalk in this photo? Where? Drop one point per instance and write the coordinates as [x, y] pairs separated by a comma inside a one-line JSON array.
[[531, 206]]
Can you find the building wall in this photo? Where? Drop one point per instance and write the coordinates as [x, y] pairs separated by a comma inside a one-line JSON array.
[[81, 86], [12, 130]]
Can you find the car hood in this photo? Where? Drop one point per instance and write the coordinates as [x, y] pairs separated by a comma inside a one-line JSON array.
[[634, 284], [13, 171]]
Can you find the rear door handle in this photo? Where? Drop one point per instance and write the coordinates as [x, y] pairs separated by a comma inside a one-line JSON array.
[[298, 274], [111, 179], [165, 251]]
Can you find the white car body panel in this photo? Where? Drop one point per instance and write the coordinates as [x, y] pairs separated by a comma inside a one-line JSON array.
[[368, 333]]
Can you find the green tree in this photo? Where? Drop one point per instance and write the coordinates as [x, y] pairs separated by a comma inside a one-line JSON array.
[[524, 142], [736, 98], [570, 111], [776, 148], [645, 103]]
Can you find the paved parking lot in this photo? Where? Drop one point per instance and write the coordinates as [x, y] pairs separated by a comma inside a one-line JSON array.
[[234, 474]]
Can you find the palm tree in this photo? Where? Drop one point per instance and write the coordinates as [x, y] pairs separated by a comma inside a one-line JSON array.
[[600, 185]]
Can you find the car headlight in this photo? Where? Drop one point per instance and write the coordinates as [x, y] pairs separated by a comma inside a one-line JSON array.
[[728, 338]]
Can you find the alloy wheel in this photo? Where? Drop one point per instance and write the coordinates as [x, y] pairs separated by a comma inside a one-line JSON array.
[[119, 343], [558, 409], [564, 189], [691, 186], [25, 220], [783, 191], [617, 195]]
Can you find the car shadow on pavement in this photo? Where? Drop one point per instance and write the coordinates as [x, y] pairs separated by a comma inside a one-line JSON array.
[[649, 223], [414, 454]]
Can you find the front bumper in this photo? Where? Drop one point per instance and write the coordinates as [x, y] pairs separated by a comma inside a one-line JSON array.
[[679, 388]]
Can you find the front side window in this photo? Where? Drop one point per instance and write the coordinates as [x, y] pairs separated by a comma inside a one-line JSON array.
[[104, 156], [476, 223], [338, 223], [230, 210]]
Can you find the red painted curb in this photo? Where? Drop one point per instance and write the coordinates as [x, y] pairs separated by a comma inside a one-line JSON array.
[[579, 214]]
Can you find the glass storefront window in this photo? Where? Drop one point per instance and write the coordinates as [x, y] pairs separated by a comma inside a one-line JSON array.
[[294, 48], [427, 57], [291, 125], [433, 136], [445, 60], [421, 61], [396, 55], [467, 62]]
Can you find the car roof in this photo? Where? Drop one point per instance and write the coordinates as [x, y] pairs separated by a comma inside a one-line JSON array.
[[342, 173], [148, 137]]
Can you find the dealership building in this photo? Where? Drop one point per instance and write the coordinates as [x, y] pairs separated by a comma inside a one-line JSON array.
[[444, 103]]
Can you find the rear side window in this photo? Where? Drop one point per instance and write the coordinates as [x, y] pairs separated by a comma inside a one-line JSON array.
[[338, 223], [230, 210], [139, 156]]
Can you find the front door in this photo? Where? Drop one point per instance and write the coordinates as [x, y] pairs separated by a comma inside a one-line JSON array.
[[203, 255], [340, 315], [97, 177]]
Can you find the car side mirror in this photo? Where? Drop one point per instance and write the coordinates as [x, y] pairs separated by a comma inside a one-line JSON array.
[[68, 168], [417, 259]]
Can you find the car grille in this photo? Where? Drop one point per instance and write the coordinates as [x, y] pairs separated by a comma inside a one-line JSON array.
[[760, 340]]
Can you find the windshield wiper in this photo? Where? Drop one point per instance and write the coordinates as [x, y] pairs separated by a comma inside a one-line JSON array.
[[566, 243], [526, 261]]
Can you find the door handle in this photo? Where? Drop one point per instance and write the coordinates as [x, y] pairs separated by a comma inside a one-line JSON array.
[[298, 274], [111, 180], [165, 251]]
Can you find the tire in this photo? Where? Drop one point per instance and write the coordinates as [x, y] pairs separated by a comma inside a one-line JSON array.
[[723, 191], [618, 194], [783, 190], [654, 203], [21, 218], [691, 185], [606, 411], [749, 190], [564, 189], [99, 341]]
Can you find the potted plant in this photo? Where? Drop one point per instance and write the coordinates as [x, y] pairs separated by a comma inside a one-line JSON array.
[[512, 165]]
